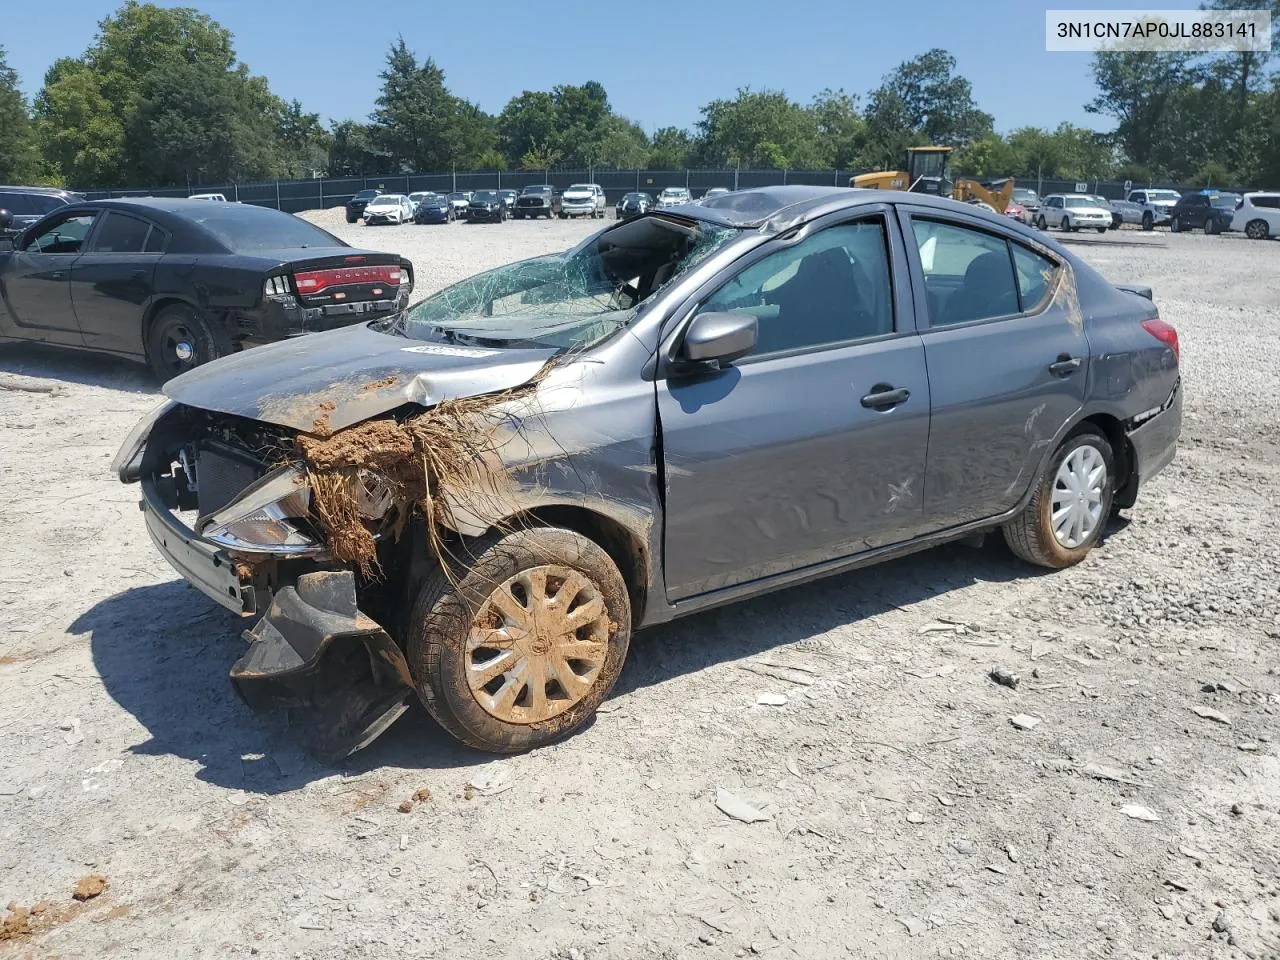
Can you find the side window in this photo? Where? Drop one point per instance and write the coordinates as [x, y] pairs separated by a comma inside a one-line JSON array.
[[65, 235], [1035, 276], [43, 203], [16, 203], [157, 240], [1138, 197], [829, 288], [120, 234], [1269, 202], [968, 274]]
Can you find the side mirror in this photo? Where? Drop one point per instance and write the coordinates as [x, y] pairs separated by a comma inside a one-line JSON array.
[[719, 336]]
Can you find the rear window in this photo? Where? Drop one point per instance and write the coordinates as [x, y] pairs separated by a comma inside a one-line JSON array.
[[537, 189], [120, 234], [43, 203], [366, 195], [1271, 202], [244, 228], [16, 203]]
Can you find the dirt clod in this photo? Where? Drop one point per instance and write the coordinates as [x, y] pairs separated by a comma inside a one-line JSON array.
[[89, 887]]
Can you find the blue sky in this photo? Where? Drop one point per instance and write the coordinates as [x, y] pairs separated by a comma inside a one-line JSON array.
[[328, 53]]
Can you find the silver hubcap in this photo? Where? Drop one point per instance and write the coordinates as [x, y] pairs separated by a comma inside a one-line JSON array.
[[537, 645], [1077, 496], [184, 351]]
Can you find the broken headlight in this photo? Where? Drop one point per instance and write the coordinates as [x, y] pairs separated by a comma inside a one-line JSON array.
[[270, 516], [127, 464]]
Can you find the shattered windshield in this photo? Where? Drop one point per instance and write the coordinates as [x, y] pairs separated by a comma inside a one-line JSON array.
[[567, 300]]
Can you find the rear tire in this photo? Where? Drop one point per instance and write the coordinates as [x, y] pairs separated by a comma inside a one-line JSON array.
[[528, 570], [1102, 229], [1210, 227], [1257, 230], [180, 339], [1175, 225], [1032, 534], [1041, 224]]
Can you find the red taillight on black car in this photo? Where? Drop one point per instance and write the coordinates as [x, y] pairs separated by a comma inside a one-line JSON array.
[[1165, 333], [310, 282]]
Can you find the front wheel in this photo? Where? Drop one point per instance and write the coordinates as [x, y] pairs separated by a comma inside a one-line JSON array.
[[1065, 225], [1210, 227], [180, 339], [1256, 230], [1102, 229], [520, 645], [1147, 222], [1067, 513], [1175, 225]]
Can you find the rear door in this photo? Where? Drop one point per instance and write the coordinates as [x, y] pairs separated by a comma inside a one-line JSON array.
[[1007, 356], [112, 282], [800, 452], [37, 280]]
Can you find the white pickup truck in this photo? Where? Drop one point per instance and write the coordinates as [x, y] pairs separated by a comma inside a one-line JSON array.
[[1150, 208]]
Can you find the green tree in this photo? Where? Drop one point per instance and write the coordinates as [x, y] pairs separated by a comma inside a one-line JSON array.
[[622, 144], [414, 114], [1135, 88], [987, 157], [927, 97], [669, 149], [760, 128], [303, 141], [841, 128], [79, 132], [527, 121], [19, 158], [539, 157], [351, 150]]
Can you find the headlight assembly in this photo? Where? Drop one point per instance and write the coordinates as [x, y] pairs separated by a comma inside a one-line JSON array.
[[270, 516]]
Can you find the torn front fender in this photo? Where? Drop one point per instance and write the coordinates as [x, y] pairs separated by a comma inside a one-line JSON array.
[[315, 652]]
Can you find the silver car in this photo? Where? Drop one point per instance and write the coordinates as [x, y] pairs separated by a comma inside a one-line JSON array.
[[1071, 211], [479, 502]]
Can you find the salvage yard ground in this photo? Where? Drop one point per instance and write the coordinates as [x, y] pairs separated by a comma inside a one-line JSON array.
[[828, 771]]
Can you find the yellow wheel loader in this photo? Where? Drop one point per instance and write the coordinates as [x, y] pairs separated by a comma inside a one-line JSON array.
[[926, 172]]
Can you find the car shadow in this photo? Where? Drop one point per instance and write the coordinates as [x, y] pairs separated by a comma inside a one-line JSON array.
[[164, 651], [76, 366]]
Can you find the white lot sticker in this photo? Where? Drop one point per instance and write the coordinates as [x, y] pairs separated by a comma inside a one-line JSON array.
[[444, 350]]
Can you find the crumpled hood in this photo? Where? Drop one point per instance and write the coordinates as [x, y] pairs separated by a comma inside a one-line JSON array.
[[323, 382]]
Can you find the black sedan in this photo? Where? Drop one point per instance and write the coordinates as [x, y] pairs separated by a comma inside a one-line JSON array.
[[434, 208], [486, 205], [356, 205], [1211, 212], [179, 282], [632, 205]]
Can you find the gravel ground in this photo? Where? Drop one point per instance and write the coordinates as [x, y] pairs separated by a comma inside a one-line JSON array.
[[907, 816]]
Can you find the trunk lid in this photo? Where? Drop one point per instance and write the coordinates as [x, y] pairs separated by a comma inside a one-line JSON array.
[[347, 276], [327, 381]]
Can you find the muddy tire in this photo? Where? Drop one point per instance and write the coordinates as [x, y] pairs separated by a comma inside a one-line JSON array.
[[1069, 510], [520, 651], [180, 339]]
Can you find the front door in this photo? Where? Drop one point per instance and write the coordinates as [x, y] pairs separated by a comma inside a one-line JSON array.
[[813, 446], [38, 281], [111, 283], [1007, 355]]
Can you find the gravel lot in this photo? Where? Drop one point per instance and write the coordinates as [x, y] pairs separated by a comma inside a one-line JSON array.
[[909, 818]]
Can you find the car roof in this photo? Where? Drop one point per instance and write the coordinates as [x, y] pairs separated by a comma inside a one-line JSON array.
[[56, 191]]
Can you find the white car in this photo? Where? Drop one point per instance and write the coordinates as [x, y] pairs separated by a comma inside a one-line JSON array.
[[388, 208], [673, 197], [1258, 216], [582, 200], [1071, 211], [217, 197], [418, 197], [715, 192]]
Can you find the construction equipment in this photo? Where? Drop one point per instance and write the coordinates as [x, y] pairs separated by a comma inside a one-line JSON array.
[[926, 172]]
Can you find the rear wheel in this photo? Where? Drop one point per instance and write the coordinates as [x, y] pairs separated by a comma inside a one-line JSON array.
[[1210, 227], [520, 648], [180, 339], [1067, 513], [1041, 224], [1256, 230]]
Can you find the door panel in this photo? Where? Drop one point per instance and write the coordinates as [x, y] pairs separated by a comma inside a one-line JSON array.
[[776, 463], [111, 284], [995, 403], [37, 283]]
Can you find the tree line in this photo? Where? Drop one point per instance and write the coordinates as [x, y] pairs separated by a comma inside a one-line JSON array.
[[161, 99]]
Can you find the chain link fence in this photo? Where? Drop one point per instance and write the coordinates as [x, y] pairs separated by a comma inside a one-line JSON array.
[[294, 196]]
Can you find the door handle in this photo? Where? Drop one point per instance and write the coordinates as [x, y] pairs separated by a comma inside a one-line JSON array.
[[57, 275], [883, 396], [1064, 366]]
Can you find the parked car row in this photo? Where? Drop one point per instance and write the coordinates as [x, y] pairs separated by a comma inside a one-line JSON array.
[[1256, 215]]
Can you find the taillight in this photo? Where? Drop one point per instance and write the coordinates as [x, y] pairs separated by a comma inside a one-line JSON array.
[[275, 286], [1165, 333]]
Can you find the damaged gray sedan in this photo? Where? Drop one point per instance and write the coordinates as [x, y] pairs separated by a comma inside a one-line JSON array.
[[480, 500]]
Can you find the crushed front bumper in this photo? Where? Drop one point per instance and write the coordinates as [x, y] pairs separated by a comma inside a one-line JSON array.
[[313, 651]]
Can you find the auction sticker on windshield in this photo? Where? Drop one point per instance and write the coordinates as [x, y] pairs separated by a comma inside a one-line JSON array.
[[445, 350]]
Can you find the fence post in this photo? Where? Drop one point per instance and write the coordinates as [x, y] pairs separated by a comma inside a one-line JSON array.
[[406, 184], [784, 176], [637, 179], [686, 178], [277, 194], [322, 193], [235, 188]]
